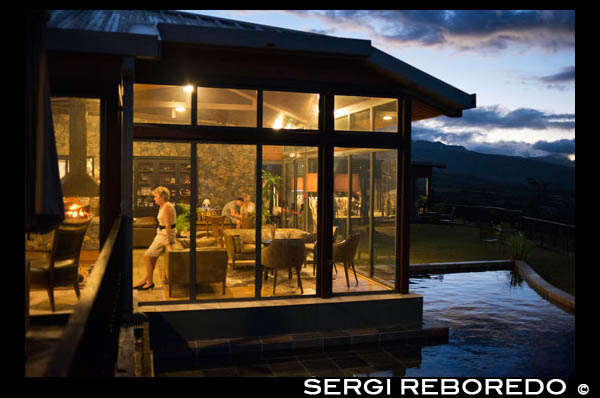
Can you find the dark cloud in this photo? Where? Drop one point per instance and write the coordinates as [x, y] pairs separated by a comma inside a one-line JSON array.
[[493, 117], [566, 75], [465, 29], [560, 146], [471, 142]]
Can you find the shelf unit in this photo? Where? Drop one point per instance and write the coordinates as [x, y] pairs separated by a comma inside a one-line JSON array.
[[151, 172]]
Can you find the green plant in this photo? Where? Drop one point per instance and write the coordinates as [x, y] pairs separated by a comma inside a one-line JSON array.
[[183, 217], [519, 248], [270, 183]]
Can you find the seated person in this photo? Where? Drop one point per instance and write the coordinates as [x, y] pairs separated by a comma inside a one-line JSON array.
[[249, 205], [232, 211]]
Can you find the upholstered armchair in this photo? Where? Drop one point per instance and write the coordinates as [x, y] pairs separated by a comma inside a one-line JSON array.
[[344, 252], [283, 254], [62, 266]]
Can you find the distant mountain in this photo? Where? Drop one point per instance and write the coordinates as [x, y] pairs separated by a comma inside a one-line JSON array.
[[555, 159], [498, 169]]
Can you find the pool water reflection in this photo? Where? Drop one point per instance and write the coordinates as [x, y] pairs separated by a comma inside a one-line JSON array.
[[499, 327]]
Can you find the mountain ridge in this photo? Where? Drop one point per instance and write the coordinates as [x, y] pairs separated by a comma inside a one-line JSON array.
[[499, 169]]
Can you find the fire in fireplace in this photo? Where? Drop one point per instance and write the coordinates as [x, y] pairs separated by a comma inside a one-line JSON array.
[[76, 210]]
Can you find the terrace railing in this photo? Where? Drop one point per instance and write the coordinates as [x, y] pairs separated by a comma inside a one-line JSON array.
[[89, 345], [549, 234], [544, 233]]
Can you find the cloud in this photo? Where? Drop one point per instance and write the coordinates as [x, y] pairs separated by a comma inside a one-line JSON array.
[[523, 118], [465, 30], [561, 146], [472, 142], [566, 75]]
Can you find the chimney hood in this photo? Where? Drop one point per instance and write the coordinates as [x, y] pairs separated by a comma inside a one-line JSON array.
[[77, 182]]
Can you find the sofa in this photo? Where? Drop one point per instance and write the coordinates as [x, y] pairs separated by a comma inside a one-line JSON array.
[[240, 243], [211, 265], [144, 231]]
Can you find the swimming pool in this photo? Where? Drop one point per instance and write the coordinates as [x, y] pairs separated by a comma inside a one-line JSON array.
[[498, 327]]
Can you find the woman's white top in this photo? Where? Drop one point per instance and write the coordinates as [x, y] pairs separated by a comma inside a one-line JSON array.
[[161, 216]]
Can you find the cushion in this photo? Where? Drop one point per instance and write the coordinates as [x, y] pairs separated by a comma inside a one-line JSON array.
[[144, 222], [248, 248]]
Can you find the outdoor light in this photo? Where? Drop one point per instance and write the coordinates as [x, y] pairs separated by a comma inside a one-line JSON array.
[[188, 89]]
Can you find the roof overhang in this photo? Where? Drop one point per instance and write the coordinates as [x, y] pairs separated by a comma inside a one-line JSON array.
[[433, 97], [98, 42], [432, 91], [281, 41]]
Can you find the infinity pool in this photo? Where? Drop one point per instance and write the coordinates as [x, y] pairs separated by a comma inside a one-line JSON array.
[[499, 327]]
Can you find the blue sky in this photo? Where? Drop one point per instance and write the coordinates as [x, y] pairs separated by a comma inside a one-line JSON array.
[[521, 65]]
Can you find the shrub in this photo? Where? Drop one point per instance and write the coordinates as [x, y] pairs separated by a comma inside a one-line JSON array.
[[519, 248]]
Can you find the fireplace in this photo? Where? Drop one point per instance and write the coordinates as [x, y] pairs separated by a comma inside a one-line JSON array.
[[77, 182]]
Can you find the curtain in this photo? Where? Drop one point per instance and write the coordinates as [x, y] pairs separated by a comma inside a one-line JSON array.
[[44, 208]]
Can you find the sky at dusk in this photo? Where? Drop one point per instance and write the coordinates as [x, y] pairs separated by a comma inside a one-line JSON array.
[[521, 65]]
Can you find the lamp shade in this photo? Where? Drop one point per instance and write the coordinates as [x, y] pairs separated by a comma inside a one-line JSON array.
[[340, 183]]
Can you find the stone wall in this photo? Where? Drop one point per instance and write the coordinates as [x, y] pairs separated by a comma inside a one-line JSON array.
[[225, 172], [60, 118]]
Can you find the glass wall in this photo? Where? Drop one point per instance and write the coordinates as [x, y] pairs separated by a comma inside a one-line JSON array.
[[285, 110], [161, 164], [77, 134], [366, 114], [364, 201], [227, 107], [289, 197], [364, 206], [225, 237], [162, 104]]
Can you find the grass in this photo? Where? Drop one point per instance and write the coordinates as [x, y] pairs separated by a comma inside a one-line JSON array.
[[431, 243]]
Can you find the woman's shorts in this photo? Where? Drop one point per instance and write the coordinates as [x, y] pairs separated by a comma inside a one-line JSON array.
[[156, 247]]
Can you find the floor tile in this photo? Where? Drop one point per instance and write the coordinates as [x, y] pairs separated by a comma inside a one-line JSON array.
[[255, 369]]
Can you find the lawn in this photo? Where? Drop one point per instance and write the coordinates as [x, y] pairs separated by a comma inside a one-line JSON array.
[[431, 243]]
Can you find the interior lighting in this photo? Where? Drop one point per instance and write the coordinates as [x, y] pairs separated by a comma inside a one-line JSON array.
[[188, 89], [278, 123], [387, 117], [180, 109]]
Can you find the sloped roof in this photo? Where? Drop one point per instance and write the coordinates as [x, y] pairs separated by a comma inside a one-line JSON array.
[[146, 21], [139, 32]]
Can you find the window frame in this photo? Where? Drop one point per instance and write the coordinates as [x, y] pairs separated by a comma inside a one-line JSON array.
[[325, 138]]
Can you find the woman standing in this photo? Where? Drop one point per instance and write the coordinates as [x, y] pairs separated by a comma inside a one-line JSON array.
[[165, 234]]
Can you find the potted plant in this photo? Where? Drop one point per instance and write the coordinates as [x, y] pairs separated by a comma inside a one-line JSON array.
[[182, 222], [270, 183]]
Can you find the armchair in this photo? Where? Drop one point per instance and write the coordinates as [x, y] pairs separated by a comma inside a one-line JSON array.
[[284, 254], [62, 267], [344, 252]]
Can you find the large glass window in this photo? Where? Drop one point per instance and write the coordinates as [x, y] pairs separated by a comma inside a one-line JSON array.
[[77, 136], [225, 237], [162, 104], [289, 233], [161, 164], [366, 113], [226, 107], [285, 110], [364, 206]]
